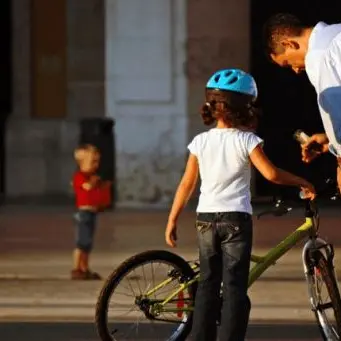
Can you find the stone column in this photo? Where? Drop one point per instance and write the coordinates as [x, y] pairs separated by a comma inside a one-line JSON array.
[[218, 37], [146, 95]]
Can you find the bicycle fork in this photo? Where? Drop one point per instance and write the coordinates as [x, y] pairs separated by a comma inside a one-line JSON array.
[[312, 245]]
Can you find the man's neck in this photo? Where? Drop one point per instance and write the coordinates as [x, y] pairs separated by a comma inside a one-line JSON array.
[[304, 38]]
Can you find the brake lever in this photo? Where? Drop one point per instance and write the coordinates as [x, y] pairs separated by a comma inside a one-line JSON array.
[[335, 197], [278, 211], [330, 184]]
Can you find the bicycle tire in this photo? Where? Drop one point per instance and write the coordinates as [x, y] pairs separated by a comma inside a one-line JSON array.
[[132, 263], [328, 276]]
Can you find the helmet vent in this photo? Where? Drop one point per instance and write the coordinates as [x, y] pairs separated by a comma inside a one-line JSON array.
[[216, 78], [232, 80], [228, 73]]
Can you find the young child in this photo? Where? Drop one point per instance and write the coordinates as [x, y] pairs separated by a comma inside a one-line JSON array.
[[89, 191], [221, 156]]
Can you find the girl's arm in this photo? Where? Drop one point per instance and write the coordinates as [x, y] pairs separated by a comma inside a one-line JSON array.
[[274, 174], [185, 188]]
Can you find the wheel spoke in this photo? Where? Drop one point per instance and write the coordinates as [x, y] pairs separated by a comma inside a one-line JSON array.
[[326, 298], [132, 314]]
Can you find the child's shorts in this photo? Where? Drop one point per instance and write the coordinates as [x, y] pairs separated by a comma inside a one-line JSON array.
[[85, 229]]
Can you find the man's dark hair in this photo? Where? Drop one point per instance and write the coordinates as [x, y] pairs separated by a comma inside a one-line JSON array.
[[277, 27]]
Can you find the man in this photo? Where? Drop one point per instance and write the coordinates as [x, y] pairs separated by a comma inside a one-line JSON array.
[[317, 50]]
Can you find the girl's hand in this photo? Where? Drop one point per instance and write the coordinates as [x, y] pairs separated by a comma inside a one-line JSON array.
[[170, 234], [308, 192]]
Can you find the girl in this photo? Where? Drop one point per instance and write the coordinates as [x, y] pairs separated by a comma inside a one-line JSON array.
[[221, 156]]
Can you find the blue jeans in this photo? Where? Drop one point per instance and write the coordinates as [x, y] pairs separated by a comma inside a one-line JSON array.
[[85, 230], [225, 242]]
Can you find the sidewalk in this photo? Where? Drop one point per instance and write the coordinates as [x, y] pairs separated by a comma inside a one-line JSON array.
[[35, 261], [43, 291]]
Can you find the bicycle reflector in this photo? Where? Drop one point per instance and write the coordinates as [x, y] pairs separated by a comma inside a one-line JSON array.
[[180, 303]]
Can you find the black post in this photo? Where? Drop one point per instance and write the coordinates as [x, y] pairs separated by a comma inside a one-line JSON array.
[[100, 133], [5, 84]]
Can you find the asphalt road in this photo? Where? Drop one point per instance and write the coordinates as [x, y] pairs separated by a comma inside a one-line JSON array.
[[16, 331]]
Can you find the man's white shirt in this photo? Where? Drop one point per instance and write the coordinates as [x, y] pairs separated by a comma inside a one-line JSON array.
[[323, 67]]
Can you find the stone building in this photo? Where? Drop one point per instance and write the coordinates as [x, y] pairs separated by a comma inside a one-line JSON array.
[[143, 63]]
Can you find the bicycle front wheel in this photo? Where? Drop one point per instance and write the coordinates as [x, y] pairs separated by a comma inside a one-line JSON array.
[[147, 297], [325, 296]]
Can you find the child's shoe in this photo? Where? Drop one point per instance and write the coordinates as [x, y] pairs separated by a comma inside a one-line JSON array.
[[77, 274], [91, 275]]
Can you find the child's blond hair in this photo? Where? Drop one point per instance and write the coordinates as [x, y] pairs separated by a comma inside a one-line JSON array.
[[81, 152]]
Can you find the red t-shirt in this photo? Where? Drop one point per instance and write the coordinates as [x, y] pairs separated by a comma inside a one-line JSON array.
[[96, 197]]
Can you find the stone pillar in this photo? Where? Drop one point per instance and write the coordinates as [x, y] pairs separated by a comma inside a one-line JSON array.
[[146, 95], [218, 37]]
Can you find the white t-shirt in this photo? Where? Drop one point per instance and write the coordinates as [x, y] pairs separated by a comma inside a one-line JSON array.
[[225, 170]]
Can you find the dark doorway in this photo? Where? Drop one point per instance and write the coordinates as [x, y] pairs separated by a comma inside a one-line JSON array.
[[5, 82], [288, 101]]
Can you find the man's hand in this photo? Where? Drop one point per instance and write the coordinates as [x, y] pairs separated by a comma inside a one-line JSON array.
[[308, 154], [170, 234], [338, 174]]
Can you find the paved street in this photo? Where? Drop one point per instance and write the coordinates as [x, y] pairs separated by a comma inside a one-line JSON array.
[[85, 332], [279, 297], [35, 260]]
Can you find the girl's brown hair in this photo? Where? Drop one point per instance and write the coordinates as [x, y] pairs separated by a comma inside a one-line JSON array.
[[236, 109]]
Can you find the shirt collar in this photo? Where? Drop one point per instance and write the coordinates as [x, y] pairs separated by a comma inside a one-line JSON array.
[[314, 40], [314, 52]]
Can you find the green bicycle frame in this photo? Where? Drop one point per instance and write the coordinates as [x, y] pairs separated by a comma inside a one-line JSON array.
[[261, 264], [264, 262]]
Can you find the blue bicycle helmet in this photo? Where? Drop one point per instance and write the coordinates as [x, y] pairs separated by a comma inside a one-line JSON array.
[[233, 80]]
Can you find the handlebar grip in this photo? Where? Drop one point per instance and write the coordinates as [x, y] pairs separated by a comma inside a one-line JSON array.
[[302, 138]]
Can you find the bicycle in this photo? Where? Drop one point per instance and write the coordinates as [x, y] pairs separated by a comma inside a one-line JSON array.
[[182, 278]]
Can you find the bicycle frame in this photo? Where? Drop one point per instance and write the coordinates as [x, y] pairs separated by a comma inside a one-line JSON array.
[[261, 264]]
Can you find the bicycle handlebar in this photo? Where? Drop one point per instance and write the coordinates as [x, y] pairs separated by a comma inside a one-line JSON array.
[[311, 208]]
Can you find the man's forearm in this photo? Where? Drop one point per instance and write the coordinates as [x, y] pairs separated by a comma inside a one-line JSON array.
[[338, 176]]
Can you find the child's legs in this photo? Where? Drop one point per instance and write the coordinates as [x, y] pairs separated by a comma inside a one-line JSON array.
[[207, 297], [84, 236], [77, 255], [236, 244]]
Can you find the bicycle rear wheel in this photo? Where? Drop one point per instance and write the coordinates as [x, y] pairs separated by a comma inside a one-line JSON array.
[[325, 296], [136, 291]]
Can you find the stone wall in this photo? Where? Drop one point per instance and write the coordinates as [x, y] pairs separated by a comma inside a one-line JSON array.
[[39, 150], [142, 63]]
